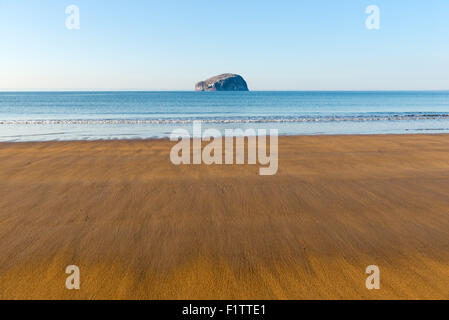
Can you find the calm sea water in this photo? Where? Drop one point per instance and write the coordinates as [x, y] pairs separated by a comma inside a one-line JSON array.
[[36, 116]]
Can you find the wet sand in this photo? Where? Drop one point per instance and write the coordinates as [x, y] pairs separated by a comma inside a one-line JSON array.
[[140, 227]]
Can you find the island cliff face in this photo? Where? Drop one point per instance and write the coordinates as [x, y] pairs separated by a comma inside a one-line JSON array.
[[223, 82]]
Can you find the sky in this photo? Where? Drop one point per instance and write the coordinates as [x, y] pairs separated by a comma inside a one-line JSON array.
[[274, 45]]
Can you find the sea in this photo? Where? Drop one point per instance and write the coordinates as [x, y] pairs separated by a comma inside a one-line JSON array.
[[44, 116]]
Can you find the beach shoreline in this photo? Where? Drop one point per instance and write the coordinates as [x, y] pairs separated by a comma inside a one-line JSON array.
[[167, 138], [140, 227]]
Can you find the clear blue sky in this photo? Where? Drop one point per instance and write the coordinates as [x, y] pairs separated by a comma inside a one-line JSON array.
[[274, 45]]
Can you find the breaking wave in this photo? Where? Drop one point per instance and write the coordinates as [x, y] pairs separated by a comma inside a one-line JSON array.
[[224, 120]]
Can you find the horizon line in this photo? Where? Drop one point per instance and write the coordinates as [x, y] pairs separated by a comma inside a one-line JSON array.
[[179, 90]]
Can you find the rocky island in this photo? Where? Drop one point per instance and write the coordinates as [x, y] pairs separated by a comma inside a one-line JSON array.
[[223, 82]]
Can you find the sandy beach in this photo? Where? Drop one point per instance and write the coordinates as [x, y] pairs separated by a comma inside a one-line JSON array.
[[140, 227]]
